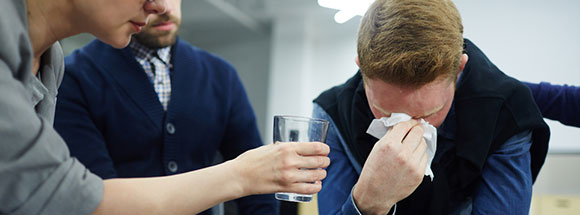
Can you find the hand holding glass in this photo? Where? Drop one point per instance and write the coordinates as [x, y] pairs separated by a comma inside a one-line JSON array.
[[298, 129]]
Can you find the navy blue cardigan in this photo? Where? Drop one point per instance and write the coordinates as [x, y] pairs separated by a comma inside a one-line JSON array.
[[113, 122]]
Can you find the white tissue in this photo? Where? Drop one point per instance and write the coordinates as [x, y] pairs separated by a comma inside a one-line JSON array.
[[379, 128]]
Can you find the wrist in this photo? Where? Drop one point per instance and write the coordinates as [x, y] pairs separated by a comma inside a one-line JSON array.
[[237, 177], [367, 203]]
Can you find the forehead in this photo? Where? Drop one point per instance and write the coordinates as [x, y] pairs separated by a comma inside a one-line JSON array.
[[415, 101]]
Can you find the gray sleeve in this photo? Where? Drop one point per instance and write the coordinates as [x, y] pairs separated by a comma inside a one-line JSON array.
[[38, 176]]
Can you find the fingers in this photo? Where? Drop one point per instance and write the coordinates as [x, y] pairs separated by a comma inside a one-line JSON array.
[[423, 162], [420, 158], [309, 175], [420, 151], [304, 188], [414, 138], [312, 162], [399, 131], [290, 177], [309, 148], [308, 155]]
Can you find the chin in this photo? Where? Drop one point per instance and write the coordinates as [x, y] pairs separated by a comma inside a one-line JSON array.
[[119, 43], [118, 38]]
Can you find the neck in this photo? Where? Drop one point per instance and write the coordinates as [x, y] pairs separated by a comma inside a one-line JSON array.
[[47, 23]]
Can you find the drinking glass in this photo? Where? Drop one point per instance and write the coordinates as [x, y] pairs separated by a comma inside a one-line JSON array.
[[298, 129]]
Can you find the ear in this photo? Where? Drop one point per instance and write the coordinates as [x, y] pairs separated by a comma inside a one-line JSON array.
[[464, 59], [357, 61]]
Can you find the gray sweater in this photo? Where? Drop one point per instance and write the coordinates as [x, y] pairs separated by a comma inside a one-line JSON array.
[[37, 174]]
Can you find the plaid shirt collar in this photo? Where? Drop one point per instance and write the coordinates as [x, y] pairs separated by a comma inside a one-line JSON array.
[[143, 52]]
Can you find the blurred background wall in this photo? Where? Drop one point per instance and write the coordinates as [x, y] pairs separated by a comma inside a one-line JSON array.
[[287, 52]]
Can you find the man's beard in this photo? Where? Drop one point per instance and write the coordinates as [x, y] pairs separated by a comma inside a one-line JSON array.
[[153, 40]]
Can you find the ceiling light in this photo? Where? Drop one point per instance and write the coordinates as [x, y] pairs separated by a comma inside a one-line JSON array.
[[347, 9]]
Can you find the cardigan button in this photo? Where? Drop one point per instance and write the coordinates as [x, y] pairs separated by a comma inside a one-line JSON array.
[[172, 166], [170, 128]]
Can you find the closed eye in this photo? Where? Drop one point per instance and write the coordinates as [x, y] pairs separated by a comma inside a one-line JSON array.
[[385, 113]]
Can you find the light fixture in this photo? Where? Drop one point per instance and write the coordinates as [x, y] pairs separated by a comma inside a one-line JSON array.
[[347, 9]]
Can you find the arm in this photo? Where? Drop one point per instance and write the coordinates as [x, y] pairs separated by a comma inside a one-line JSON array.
[[335, 196], [74, 123], [393, 170], [270, 168], [506, 187], [558, 102], [37, 174], [241, 134]]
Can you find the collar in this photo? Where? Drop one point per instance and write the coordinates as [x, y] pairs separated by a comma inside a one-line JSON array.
[[449, 126], [143, 52]]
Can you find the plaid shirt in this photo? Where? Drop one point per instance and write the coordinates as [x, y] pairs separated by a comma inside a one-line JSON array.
[[157, 66]]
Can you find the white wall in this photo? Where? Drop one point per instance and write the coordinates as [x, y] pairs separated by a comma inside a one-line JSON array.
[[310, 53]]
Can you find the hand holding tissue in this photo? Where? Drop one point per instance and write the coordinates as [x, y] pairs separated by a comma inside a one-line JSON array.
[[379, 127]]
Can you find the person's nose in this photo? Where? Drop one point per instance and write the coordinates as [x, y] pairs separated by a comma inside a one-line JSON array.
[[155, 6]]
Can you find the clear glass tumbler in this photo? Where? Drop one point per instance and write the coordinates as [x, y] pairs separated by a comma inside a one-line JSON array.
[[298, 129]]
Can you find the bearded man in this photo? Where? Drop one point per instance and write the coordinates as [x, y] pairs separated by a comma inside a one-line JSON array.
[[158, 107]]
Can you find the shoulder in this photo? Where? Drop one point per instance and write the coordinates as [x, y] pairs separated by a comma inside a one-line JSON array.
[[87, 54], [92, 57], [13, 21], [89, 66], [186, 51], [486, 93], [482, 79], [346, 91], [16, 51], [203, 64]]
